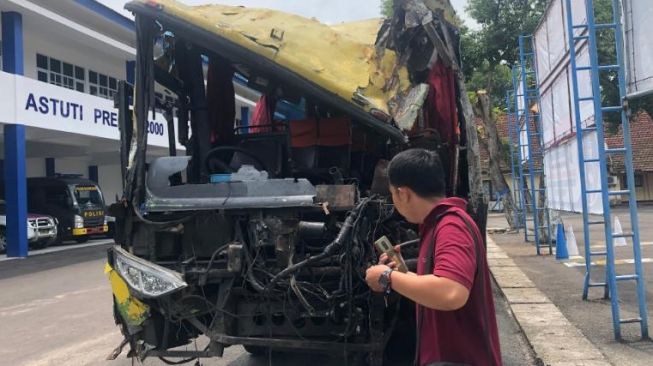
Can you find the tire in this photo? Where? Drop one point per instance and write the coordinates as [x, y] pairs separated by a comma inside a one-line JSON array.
[[256, 350], [81, 239], [41, 244], [3, 240]]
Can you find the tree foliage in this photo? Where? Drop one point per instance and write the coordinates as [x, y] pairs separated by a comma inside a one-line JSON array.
[[608, 79], [488, 52], [386, 8], [501, 24]]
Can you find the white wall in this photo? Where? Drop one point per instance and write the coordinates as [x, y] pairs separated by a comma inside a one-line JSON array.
[[68, 50], [110, 182]]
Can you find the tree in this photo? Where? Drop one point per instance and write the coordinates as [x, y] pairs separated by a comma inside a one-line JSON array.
[[487, 53], [606, 50], [501, 24], [494, 145], [386, 8]]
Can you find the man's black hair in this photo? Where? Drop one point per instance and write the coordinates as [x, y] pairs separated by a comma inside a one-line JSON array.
[[419, 170]]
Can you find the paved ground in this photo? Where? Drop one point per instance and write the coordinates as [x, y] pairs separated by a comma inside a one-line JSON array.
[[55, 309], [563, 285]]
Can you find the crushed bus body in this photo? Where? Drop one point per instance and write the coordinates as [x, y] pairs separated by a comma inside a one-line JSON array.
[[260, 233]]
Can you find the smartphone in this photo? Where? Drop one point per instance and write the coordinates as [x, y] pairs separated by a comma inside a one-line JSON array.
[[384, 245]]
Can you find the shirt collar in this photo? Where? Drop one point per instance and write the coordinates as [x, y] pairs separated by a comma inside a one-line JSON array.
[[440, 208]]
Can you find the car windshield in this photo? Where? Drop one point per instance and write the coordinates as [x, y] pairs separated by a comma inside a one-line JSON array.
[[87, 195]]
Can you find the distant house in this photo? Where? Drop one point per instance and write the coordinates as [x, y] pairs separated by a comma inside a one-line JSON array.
[[641, 131]]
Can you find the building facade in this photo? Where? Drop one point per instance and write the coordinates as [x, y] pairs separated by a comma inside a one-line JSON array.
[[61, 62]]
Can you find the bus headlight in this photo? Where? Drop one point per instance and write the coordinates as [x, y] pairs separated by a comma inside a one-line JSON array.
[[146, 278]]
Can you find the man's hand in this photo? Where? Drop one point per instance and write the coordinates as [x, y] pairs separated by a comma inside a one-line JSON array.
[[384, 259], [372, 276]]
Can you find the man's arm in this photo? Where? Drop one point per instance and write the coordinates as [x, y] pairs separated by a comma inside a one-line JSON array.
[[448, 288], [434, 292]]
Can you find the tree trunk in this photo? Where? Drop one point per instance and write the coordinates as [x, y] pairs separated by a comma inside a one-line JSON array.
[[494, 149], [477, 199]]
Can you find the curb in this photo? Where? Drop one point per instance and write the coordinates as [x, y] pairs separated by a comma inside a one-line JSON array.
[[59, 248], [555, 341]]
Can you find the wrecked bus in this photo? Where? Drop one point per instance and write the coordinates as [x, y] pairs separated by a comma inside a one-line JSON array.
[[259, 234]]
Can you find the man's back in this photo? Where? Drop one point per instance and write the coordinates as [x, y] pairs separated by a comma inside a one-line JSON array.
[[467, 335]]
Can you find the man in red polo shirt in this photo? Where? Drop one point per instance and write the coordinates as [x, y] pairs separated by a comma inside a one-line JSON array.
[[455, 309]]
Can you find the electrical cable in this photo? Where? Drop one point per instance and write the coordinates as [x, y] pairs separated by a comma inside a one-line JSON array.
[[181, 362], [329, 249], [208, 266]]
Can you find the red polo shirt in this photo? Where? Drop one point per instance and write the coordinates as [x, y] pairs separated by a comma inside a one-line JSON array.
[[457, 336]]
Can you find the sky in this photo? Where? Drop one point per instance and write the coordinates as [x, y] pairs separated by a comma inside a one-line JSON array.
[[327, 11]]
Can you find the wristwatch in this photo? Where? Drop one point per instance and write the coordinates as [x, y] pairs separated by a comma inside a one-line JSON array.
[[385, 280]]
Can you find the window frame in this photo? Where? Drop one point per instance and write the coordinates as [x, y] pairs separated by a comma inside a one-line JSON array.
[[47, 73], [101, 87]]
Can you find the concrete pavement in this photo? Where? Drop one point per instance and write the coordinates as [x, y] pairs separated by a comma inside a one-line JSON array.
[[563, 286], [554, 339], [56, 309]]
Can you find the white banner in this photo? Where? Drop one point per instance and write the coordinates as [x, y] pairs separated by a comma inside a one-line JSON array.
[[551, 36], [563, 177], [37, 104], [638, 28]]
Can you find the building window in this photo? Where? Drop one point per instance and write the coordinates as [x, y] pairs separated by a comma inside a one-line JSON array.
[[639, 180], [60, 73], [102, 85]]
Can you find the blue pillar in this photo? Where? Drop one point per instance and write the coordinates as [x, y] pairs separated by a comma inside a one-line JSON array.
[[130, 71], [49, 167], [244, 119], [15, 190], [12, 42], [93, 173]]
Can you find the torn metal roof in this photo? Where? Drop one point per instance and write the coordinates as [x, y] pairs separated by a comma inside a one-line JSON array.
[[341, 59]]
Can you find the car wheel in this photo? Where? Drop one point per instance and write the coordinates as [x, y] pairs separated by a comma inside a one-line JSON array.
[[3, 240], [81, 239]]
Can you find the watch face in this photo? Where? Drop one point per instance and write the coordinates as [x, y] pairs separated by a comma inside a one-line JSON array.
[[384, 280]]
